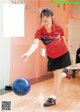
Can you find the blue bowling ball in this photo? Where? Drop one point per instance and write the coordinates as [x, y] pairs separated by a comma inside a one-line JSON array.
[[21, 86]]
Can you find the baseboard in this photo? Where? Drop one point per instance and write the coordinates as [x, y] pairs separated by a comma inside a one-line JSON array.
[[33, 81], [42, 78]]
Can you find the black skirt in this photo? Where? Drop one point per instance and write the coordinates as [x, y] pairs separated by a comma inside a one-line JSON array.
[[59, 63]]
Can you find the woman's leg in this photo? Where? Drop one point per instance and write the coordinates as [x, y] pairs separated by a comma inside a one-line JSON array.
[[57, 81]]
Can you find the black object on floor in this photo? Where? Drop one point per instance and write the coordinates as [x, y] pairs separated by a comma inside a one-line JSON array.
[[9, 87]]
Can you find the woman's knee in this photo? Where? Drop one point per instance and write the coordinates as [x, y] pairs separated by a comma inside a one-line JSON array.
[[58, 73]]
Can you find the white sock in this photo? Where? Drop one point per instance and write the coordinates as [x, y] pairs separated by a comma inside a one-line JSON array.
[[64, 74], [53, 96]]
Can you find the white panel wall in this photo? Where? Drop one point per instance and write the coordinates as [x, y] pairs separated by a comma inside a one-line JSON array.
[[4, 51], [75, 36], [74, 30]]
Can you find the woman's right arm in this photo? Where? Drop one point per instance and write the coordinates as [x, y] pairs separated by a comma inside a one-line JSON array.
[[31, 50]]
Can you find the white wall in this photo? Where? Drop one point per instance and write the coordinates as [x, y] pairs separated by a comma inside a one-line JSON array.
[[5, 45], [75, 36], [74, 30]]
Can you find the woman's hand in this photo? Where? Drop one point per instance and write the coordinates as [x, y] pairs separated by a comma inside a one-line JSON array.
[[34, 46], [24, 58]]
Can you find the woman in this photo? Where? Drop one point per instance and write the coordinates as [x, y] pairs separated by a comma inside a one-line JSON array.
[[58, 56]]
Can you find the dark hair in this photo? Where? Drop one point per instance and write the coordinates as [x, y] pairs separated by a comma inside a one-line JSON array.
[[46, 12]]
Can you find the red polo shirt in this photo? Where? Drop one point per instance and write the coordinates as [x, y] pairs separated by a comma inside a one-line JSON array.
[[55, 45]]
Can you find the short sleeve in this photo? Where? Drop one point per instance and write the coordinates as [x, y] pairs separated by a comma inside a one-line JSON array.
[[38, 35], [62, 32]]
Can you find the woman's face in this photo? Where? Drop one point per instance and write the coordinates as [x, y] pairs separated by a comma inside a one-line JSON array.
[[46, 19]]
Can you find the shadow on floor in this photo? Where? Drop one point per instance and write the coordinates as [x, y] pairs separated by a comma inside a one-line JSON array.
[[3, 91]]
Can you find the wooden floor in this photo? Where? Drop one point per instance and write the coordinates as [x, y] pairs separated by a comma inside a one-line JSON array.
[[68, 99]]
